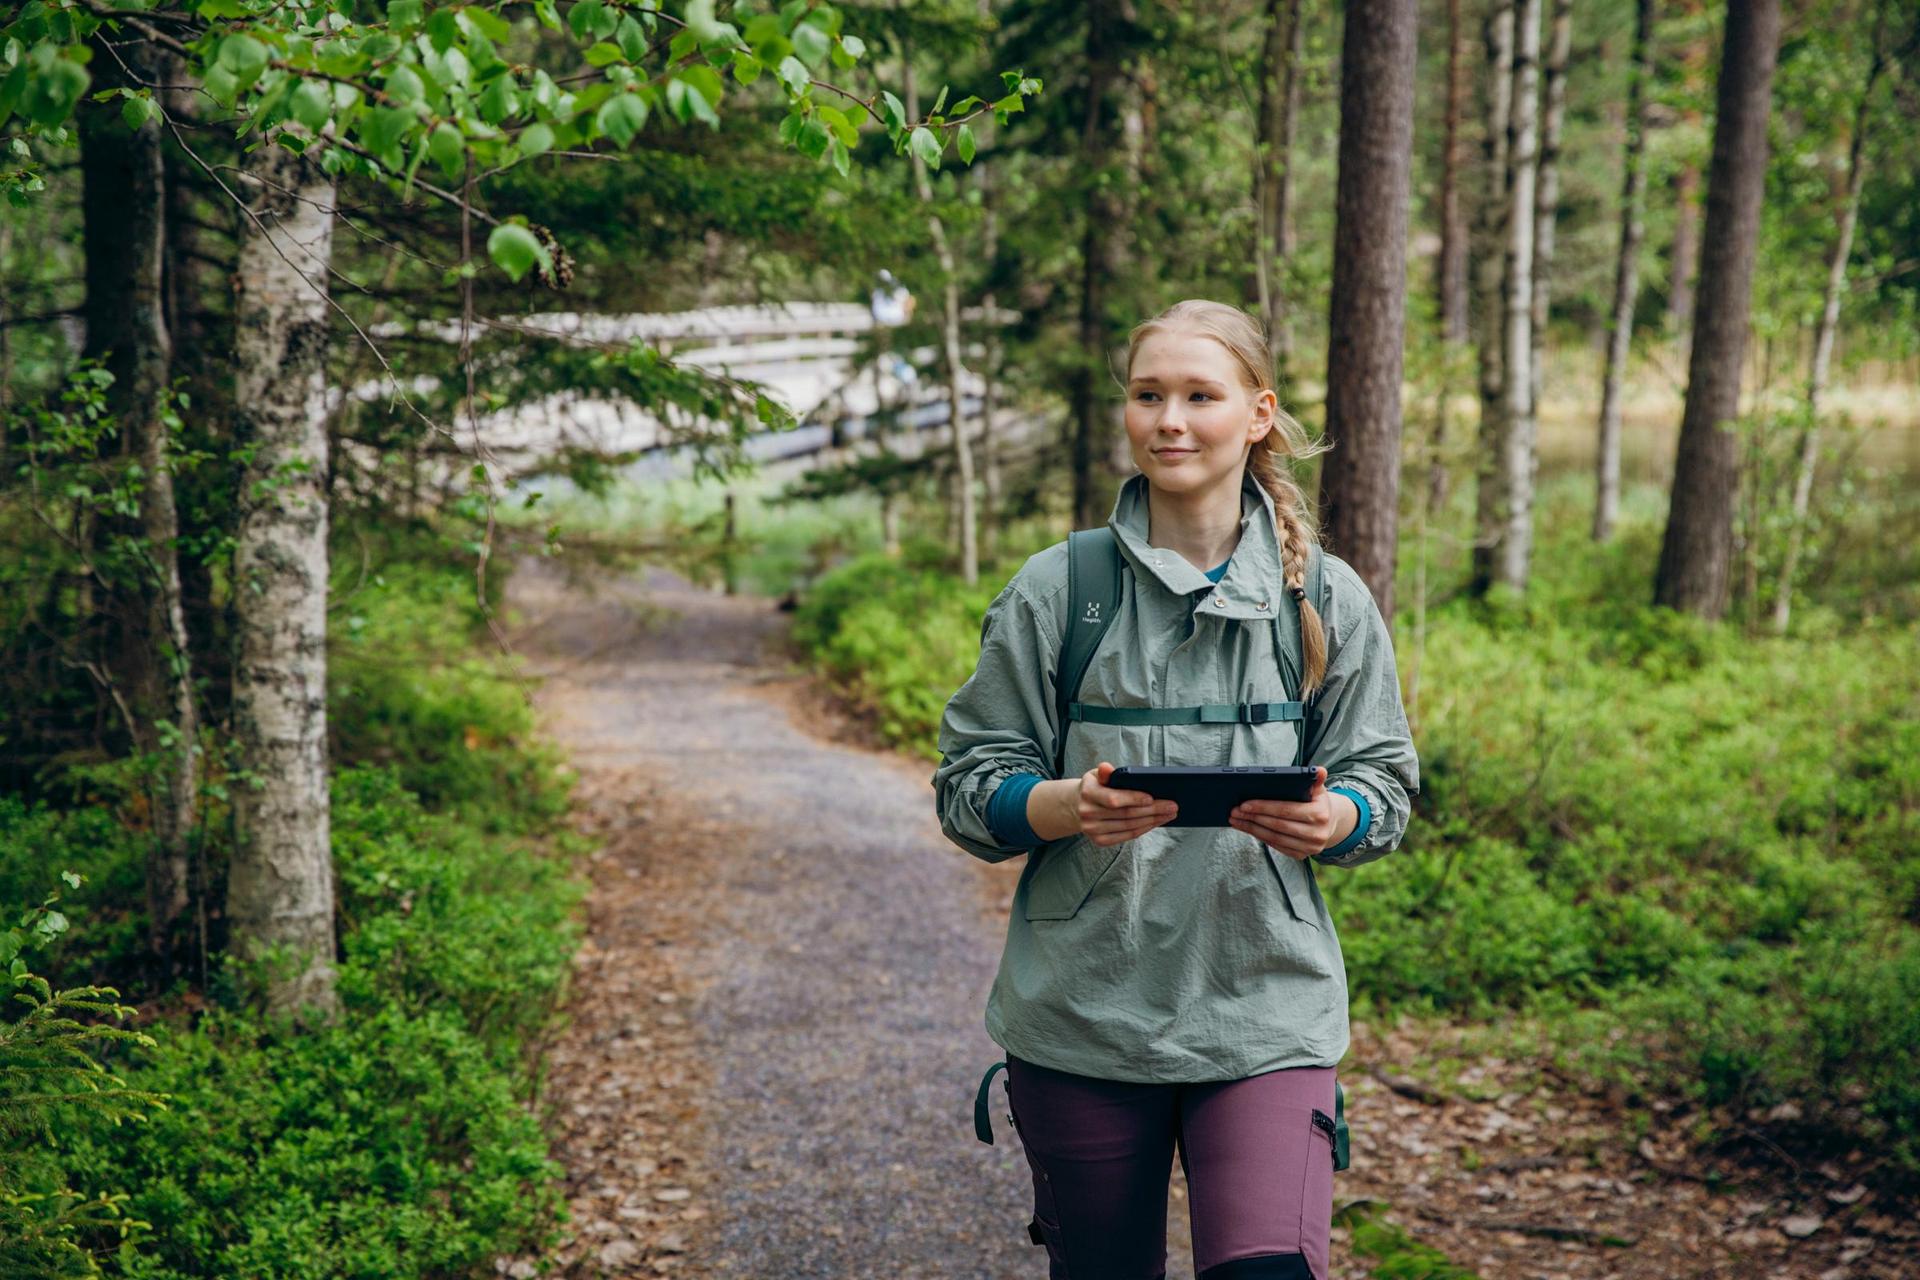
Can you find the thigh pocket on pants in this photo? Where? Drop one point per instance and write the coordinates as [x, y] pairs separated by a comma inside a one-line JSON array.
[[1316, 1201]]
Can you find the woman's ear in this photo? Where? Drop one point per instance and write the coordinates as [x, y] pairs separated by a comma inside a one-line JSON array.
[[1264, 404]]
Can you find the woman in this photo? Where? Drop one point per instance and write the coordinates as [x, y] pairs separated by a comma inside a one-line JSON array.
[[1167, 989]]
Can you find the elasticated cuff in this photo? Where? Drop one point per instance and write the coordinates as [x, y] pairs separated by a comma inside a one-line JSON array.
[[1007, 811], [1359, 831]]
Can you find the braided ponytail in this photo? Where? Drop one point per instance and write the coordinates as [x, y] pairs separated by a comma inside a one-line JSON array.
[[1241, 335]]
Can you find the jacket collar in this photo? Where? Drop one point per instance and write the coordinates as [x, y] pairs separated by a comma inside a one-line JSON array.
[[1252, 588]]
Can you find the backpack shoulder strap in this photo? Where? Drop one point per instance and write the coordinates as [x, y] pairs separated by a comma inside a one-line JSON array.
[[1093, 596]]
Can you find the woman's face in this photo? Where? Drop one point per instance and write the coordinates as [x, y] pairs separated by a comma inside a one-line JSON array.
[[1190, 420]]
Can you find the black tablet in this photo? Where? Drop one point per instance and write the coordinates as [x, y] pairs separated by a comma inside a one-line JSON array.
[[1206, 794]]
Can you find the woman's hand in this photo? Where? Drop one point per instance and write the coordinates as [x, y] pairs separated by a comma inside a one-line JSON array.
[[1107, 816], [1297, 828]]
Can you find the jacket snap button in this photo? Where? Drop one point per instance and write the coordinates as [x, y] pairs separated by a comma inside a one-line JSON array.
[[1221, 601], [1261, 605]]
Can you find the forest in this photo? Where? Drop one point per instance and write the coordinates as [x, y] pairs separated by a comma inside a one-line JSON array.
[[495, 498]]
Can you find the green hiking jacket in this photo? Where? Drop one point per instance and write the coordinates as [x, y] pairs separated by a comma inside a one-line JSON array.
[[1192, 953]]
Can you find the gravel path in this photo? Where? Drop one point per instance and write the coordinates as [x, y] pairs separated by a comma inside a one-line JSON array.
[[841, 957]]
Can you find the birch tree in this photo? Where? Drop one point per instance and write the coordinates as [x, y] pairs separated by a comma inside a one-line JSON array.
[[1809, 450], [1626, 275], [963, 495], [1516, 421], [280, 883]]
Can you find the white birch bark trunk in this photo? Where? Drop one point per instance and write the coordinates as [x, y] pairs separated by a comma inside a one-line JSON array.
[[964, 505], [280, 886], [1823, 347], [1626, 280], [1516, 377]]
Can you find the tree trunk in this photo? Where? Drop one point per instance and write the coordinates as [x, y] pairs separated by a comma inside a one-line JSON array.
[[280, 886], [963, 496], [1686, 252], [1546, 204], [1695, 553], [990, 356], [1360, 480], [1273, 176], [1491, 234], [1626, 274], [1102, 246], [1451, 275], [124, 203], [1516, 435], [1823, 336]]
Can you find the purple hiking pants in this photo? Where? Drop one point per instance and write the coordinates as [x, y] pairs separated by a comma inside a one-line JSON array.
[[1258, 1162]]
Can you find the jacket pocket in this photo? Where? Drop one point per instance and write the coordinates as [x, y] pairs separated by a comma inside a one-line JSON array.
[[1066, 876], [1295, 886]]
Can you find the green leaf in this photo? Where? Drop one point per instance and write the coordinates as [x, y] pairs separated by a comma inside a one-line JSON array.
[[836, 120], [765, 35], [622, 116], [811, 43], [964, 144], [136, 111], [404, 15], [699, 20], [840, 158], [490, 24], [244, 57], [404, 85], [813, 139], [51, 92], [513, 249], [312, 105], [382, 127], [746, 67], [584, 16], [499, 101], [604, 55], [442, 29], [854, 46], [535, 139], [448, 149], [892, 112], [632, 40], [706, 80], [220, 85], [794, 75], [925, 146]]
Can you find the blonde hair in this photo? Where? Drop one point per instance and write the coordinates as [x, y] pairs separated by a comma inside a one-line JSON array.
[[1244, 340]]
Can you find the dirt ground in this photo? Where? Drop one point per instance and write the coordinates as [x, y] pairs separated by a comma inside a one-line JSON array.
[[775, 1021]]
